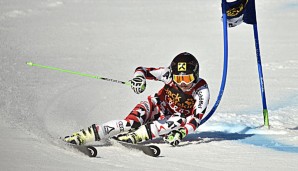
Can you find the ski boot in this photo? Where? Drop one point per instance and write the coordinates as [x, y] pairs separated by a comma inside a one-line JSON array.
[[140, 135], [82, 137]]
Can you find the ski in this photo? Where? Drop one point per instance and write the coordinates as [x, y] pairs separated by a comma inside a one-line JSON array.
[[91, 150], [150, 150], [87, 150]]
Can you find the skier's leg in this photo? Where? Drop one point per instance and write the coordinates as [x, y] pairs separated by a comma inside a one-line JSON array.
[[157, 128], [170, 123], [154, 129], [137, 117], [98, 132], [140, 119]]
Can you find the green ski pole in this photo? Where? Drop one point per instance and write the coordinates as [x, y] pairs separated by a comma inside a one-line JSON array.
[[77, 73]]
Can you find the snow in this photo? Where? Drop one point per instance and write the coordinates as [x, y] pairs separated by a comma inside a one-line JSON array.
[[110, 39]]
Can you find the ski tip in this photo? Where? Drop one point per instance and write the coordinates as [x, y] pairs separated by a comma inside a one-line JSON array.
[[154, 151], [29, 63], [92, 151]]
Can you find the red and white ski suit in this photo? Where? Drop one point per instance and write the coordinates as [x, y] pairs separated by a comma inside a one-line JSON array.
[[168, 109]]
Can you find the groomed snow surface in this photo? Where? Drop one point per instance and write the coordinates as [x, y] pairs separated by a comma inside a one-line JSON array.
[[111, 38]]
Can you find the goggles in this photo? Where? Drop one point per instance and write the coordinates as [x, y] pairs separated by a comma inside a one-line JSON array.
[[187, 79]]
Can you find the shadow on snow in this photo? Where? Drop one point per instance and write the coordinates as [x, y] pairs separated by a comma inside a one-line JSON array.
[[242, 136]]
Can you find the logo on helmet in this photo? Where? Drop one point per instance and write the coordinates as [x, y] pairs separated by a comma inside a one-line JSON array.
[[181, 66]]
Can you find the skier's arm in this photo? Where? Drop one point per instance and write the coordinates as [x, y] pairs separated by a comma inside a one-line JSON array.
[[201, 96], [150, 73]]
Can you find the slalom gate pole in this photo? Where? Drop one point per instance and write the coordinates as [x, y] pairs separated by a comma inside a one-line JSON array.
[[261, 78], [225, 67], [78, 73]]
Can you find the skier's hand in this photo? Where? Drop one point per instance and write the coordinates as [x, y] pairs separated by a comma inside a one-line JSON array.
[[138, 84], [175, 137]]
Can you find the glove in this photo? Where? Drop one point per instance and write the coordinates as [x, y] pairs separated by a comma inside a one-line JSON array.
[[175, 136], [138, 84]]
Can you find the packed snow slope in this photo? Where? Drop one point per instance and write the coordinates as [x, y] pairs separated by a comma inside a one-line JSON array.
[[111, 38]]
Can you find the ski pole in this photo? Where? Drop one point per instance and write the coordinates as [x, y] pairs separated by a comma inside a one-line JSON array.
[[78, 73]]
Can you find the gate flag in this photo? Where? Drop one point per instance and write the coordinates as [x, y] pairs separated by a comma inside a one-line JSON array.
[[241, 11]]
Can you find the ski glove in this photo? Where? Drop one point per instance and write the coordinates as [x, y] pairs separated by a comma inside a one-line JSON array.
[[138, 84], [175, 136]]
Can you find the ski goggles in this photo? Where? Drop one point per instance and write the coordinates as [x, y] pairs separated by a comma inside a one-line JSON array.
[[187, 79]]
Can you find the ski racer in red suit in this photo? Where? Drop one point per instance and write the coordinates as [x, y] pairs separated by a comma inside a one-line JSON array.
[[172, 113]]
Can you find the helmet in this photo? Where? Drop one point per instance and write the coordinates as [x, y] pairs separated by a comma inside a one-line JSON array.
[[185, 64]]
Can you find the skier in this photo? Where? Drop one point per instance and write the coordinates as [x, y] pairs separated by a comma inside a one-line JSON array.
[[172, 113]]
